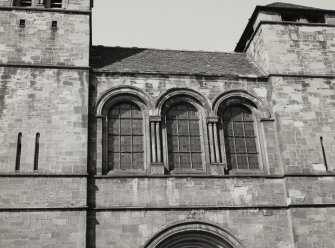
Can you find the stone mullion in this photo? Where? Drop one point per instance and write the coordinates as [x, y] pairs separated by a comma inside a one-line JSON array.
[[158, 142], [216, 143], [211, 142], [153, 142], [99, 146]]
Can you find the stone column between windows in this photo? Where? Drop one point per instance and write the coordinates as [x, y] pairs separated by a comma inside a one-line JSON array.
[[156, 166], [99, 145], [216, 164]]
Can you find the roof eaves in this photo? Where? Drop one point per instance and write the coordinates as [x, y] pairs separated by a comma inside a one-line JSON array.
[[248, 76]]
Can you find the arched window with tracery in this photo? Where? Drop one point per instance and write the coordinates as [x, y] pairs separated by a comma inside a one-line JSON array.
[[240, 139], [183, 137], [125, 137]]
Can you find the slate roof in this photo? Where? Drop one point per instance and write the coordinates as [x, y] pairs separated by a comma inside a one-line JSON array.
[[290, 6], [139, 60]]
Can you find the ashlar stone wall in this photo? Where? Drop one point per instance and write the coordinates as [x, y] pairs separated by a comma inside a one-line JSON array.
[[254, 228], [294, 49], [38, 43], [31, 229], [52, 103]]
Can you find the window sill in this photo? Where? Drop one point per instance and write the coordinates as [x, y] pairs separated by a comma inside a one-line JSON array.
[[126, 172], [187, 172], [187, 175], [246, 172]]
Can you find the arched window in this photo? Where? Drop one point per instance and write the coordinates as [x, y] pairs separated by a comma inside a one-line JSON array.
[[125, 137], [240, 138], [183, 137]]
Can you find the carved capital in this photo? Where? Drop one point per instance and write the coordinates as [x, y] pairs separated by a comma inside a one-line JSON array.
[[155, 118], [212, 119]]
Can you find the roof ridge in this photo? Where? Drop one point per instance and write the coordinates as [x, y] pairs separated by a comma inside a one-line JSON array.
[[289, 5]]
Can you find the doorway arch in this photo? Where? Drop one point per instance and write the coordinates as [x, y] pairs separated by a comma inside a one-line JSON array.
[[193, 234]]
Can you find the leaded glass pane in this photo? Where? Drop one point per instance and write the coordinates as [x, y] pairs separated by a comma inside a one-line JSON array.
[[114, 126], [253, 161], [249, 129], [126, 126], [126, 161], [242, 161], [185, 160], [184, 142], [183, 126], [240, 145], [197, 161], [251, 145], [137, 144], [114, 143], [113, 160], [195, 144], [194, 127], [238, 129], [138, 161], [137, 126]]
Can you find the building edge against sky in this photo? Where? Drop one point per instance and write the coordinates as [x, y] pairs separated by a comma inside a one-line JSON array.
[[130, 147]]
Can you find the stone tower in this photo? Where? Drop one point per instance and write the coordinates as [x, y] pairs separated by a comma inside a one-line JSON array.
[[44, 71]]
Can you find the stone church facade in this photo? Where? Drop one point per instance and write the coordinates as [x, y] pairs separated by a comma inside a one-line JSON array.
[[142, 148]]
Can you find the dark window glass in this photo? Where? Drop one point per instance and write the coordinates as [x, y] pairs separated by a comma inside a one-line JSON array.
[[125, 137], [53, 3], [183, 134], [22, 3], [240, 138], [303, 17]]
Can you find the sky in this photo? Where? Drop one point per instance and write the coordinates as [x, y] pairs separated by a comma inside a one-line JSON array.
[[197, 25]]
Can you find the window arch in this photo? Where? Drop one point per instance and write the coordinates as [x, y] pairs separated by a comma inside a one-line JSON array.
[[183, 137], [240, 138], [125, 137]]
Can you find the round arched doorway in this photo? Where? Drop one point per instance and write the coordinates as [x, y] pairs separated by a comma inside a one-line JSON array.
[[194, 234], [193, 239]]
